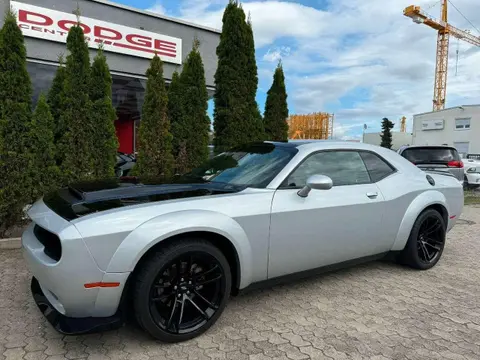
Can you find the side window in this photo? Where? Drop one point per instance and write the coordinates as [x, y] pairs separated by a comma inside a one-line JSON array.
[[377, 168], [343, 167]]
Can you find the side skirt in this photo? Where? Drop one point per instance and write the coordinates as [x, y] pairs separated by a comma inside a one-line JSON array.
[[286, 279]]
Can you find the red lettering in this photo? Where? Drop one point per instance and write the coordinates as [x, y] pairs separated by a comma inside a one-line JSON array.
[[165, 46], [139, 40], [63, 25], [36, 28], [34, 18], [106, 33]]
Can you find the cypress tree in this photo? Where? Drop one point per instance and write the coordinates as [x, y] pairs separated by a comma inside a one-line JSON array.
[[45, 173], [54, 99], [237, 119], [176, 114], [105, 141], [195, 105], [15, 121], [386, 136], [75, 148], [155, 140], [276, 109]]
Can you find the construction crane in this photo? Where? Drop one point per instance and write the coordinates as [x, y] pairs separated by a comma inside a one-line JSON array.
[[311, 126], [403, 124], [444, 31]]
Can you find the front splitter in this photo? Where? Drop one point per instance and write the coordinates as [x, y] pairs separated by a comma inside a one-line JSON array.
[[72, 326]]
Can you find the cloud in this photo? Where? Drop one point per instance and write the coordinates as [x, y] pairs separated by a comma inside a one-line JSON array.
[[362, 60], [157, 8]]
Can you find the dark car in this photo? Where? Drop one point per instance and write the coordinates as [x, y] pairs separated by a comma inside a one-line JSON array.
[[430, 157], [125, 163]]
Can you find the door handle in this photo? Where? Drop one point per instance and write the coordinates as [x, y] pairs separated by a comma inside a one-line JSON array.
[[372, 195]]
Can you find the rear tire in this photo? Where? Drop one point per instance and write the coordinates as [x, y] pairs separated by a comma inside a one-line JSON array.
[[426, 242], [181, 290]]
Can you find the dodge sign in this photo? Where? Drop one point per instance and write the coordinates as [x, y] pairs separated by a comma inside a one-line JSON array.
[[53, 25]]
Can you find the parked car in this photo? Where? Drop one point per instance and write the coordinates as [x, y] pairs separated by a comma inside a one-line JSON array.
[[473, 156], [177, 249], [472, 173], [440, 158], [125, 163]]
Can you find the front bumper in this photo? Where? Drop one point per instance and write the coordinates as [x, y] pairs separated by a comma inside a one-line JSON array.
[[473, 178], [63, 281], [73, 326]]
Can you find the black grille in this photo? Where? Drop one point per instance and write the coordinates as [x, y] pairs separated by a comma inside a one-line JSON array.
[[51, 242]]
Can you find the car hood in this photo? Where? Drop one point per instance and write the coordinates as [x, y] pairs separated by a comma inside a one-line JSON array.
[[84, 198]]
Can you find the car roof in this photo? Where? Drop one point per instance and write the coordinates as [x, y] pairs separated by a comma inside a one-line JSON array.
[[328, 144], [428, 146]]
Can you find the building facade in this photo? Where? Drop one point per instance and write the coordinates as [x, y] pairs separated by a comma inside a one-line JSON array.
[[130, 38], [398, 139], [458, 127]]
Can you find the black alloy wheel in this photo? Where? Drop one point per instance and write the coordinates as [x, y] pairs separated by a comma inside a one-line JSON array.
[[182, 290], [430, 239], [426, 242], [187, 292]]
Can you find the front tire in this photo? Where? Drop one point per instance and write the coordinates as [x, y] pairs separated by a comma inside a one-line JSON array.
[[181, 290], [426, 242]]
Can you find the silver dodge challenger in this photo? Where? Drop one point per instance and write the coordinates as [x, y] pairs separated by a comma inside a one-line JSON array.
[[171, 252]]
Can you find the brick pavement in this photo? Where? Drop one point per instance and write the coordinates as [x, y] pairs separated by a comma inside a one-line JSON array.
[[374, 311]]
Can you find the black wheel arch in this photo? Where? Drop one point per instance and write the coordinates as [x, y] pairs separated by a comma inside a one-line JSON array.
[[217, 240], [442, 210]]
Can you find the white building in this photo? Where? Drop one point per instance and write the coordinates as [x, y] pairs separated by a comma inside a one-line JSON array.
[[398, 139], [458, 126]]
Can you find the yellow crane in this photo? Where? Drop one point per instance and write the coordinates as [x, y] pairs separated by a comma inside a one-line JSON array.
[[444, 31], [403, 124]]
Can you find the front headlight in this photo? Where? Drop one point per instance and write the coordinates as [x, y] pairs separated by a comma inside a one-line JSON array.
[[472, 170]]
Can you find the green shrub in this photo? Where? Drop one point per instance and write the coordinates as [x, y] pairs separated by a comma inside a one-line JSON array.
[[104, 139], [15, 122], [155, 156]]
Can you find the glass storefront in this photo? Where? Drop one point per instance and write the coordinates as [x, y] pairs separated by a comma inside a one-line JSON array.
[[127, 98]]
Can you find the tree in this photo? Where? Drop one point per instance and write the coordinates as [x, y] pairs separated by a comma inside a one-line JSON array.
[[45, 173], [155, 140], [75, 147], [54, 99], [195, 104], [176, 115], [237, 119], [386, 135], [105, 141], [276, 109], [15, 121]]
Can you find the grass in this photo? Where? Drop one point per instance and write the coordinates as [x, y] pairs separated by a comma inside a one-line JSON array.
[[472, 197]]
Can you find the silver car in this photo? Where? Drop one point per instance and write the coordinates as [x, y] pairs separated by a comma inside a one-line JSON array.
[[172, 252]]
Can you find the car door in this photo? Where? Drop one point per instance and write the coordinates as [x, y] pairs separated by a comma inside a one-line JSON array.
[[327, 226]]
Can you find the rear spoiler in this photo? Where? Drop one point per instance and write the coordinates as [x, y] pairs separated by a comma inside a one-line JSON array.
[[438, 171]]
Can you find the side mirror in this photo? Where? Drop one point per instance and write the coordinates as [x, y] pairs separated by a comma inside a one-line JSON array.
[[317, 182]]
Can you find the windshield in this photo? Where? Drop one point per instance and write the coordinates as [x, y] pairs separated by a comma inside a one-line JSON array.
[[253, 165], [419, 155]]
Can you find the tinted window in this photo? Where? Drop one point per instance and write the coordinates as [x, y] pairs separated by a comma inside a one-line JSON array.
[[432, 155], [253, 165], [343, 167], [377, 168]]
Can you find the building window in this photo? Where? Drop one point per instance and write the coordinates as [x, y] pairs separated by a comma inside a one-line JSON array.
[[41, 76], [462, 124]]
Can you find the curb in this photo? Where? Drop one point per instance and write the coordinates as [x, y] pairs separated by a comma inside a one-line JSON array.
[[10, 244]]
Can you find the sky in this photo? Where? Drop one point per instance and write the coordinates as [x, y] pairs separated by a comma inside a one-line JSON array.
[[360, 60]]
